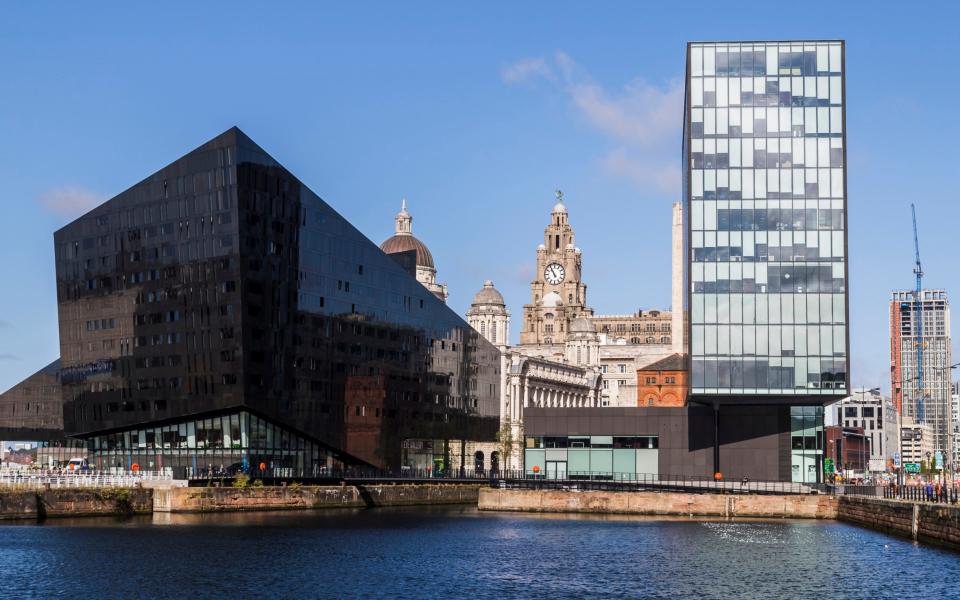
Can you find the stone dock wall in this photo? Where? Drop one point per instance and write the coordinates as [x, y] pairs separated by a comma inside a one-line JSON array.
[[932, 523], [309, 497], [660, 503], [73, 502]]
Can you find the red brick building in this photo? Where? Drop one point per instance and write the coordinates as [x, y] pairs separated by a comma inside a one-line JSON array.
[[663, 383], [849, 448]]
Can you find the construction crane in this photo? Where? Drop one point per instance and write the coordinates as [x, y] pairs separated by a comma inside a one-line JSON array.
[[918, 309]]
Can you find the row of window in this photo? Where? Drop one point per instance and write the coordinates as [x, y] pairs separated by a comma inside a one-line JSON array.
[[636, 327], [769, 340], [764, 153], [765, 59], [769, 183], [807, 375], [771, 309], [796, 92], [671, 380], [644, 442]]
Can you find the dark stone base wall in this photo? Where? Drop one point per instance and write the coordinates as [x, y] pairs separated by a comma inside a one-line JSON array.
[[307, 497], [39, 504], [937, 524]]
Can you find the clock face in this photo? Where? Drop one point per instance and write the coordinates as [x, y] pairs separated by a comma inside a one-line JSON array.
[[554, 274]]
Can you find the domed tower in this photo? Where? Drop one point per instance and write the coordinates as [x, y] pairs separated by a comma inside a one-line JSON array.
[[488, 314], [583, 343], [558, 295], [413, 254]]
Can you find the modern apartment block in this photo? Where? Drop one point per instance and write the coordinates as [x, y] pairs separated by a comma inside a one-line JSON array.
[[920, 374], [219, 313], [764, 179]]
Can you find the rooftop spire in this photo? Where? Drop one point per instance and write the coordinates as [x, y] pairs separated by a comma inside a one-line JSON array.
[[404, 222]]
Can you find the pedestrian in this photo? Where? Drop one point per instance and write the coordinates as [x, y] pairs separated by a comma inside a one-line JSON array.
[[929, 491]]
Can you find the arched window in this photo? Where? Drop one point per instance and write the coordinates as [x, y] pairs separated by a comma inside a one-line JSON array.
[[634, 340], [650, 340], [493, 333], [478, 461], [483, 328], [664, 340]]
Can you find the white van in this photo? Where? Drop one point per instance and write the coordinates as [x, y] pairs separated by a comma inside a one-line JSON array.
[[76, 465]]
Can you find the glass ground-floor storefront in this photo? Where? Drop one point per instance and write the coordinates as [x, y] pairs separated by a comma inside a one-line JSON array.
[[225, 443], [806, 444], [627, 458], [52, 454]]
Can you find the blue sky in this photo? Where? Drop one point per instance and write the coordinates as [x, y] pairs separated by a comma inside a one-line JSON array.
[[475, 114]]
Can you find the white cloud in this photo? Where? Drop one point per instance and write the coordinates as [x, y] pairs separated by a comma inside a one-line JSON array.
[[643, 121], [646, 172], [526, 69], [69, 201]]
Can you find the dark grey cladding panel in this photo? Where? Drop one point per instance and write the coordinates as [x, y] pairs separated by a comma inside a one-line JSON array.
[[665, 422]]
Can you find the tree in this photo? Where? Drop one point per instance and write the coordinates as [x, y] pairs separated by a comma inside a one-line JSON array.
[[505, 443]]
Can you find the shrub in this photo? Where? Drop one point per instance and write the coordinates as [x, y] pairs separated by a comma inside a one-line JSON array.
[[242, 480], [119, 496], [257, 483]]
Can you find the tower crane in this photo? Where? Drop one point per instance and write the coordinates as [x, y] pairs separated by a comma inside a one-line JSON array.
[[918, 311]]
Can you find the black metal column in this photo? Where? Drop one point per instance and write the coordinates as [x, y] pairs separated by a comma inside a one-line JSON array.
[[716, 438]]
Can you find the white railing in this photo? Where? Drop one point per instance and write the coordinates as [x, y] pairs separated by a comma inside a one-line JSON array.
[[54, 479]]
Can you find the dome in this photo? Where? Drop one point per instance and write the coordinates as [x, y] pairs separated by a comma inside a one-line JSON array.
[[552, 300], [488, 295], [405, 243], [559, 207], [582, 325]]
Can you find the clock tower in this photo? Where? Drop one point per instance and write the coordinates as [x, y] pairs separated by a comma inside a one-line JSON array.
[[558, 296]]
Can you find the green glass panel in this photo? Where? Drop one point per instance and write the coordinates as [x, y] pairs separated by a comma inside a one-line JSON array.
[[534, 458], [601, 461], [625, 463], [578, 461]]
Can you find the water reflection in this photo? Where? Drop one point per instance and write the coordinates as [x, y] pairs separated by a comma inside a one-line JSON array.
[[458, 551]]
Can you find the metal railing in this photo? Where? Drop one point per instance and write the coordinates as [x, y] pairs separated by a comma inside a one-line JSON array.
[[327, 476], [54, 479], [574, 480], [607, 481], [921, 493]]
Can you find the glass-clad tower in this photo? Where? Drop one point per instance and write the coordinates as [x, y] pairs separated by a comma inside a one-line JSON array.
[[765, 186]]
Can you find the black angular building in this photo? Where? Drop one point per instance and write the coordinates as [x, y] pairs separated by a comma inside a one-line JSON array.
[[219, 313]]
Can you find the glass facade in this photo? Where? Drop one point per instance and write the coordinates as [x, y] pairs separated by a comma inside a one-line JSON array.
[[806, 443], [230, 442], [222, 284], [765, 154], [621, 458]]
